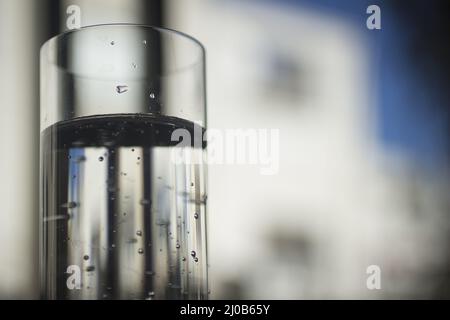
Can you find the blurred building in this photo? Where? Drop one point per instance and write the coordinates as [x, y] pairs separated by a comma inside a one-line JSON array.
[[345, 198]]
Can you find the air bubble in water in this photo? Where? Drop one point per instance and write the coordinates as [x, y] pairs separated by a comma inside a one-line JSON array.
[[86, 257], [152, 95], [90, 268], [112, 42], [177, 246], [139, 233], [121, 89], [144, 42], [100, 158], [193, 253], [134, 65], [196, 215], [140, 251], [144, 202], [196, 259]]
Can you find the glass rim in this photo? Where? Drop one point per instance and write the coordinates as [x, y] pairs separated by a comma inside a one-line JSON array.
[[196, 44], [65, 77], [61, 35]]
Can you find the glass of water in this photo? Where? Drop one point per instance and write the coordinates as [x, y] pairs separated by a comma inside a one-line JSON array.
[[123, 185]]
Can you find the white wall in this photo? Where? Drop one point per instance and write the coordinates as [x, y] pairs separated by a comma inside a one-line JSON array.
[[19, 143]]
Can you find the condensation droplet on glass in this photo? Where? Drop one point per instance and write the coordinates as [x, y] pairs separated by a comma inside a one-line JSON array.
[[150, 295], [121, 89], [144, 42], [139, 233], [134, 65], [90, 268], [196, 259], [100, 158], [193, 253], [177, 246], [196, 215], [140, 251], [86, 257], [113, 245], [69, 205], [183, 259], [152, 95], [112, 42], [144, 202]]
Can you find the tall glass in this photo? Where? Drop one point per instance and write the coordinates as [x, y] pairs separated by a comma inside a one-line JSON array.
[[123, 193]]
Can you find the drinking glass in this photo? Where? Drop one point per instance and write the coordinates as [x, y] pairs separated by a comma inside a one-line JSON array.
[[123, 180]]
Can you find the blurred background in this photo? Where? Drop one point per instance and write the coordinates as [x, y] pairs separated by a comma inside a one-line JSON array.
[[364, 141]]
